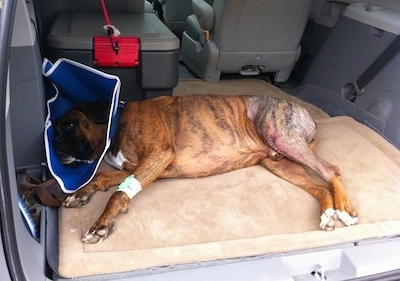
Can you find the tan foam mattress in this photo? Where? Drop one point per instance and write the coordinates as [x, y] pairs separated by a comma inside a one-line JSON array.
[[248, 212]]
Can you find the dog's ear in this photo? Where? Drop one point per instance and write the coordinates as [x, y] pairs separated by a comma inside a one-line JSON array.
[[97, 112]]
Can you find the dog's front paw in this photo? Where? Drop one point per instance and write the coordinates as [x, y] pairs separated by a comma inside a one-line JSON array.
[[97, 233], [75, 200]]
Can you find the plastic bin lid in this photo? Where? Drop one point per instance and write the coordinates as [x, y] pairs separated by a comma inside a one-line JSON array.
[[75, 30]]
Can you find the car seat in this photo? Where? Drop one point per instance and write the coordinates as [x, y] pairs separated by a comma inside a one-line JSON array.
[[174, 14], [244, 36]]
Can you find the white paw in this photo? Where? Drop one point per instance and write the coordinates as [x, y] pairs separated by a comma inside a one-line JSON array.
[[94, 237], [73, 202], [346, 218], [98, 233], [328, 220]]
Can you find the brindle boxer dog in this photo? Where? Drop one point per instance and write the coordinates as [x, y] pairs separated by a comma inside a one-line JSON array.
[[197, 136]]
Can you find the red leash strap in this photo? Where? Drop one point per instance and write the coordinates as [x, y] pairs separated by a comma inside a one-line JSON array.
[[109, 28], [114, 50], [105, 12]]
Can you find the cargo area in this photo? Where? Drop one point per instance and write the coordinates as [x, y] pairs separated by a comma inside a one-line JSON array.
[[244, 225]]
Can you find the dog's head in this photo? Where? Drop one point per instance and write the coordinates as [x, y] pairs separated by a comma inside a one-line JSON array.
[[79, 136]]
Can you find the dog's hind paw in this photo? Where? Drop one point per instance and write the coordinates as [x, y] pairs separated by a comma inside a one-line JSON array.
[[328, 220], [97, 234], [346, 218], [330, 216]]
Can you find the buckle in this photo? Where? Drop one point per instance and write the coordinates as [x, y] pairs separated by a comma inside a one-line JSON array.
[[352, 90]]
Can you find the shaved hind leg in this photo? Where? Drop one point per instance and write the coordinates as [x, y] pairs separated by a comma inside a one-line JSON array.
[[288, 129], [297, 175], [332, 174], [292, 134], [299, 151], [338, 186]]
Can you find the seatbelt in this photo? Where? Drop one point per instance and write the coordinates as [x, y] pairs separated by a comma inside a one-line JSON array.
[[359, 83]]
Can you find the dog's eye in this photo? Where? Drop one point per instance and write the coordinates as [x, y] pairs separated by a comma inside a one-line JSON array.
[[67, 126]]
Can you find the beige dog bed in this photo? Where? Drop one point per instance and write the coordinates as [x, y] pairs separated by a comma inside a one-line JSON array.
[[248, 212]]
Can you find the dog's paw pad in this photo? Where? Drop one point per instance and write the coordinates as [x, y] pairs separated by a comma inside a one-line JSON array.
[[93, 237], [328, 220], [72, 202], [75, 201], [346, 218], [97, 234]]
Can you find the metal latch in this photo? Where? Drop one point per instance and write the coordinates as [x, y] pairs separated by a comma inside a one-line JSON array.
[[357, 91], [319, 273], [352, 90]]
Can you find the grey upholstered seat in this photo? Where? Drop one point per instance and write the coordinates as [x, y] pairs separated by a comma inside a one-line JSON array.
[[174, 14], [148, 7], [244, 36]]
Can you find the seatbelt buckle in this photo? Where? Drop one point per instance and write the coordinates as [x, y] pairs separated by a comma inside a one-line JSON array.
[[357, 91], [352, 90], [111, 30]]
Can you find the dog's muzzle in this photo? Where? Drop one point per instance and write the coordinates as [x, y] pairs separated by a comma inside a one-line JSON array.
[[69, 157]]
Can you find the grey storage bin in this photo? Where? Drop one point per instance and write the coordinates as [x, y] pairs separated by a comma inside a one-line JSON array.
[[71, 36]]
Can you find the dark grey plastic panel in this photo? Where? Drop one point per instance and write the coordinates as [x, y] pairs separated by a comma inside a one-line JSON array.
[[27, 107], [382, 99], [351, 47], [158, 69]]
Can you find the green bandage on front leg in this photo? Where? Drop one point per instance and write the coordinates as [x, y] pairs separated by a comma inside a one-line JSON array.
[[130, 186]]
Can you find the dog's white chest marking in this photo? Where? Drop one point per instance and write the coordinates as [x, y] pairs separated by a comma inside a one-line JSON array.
[[116, 161], [130, 185]]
